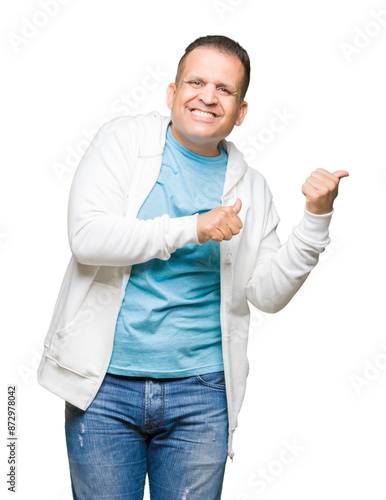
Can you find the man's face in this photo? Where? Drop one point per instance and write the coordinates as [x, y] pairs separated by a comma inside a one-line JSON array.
[[205, 104]]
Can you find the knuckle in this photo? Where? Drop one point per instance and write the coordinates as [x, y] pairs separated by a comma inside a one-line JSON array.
[[211, 229]]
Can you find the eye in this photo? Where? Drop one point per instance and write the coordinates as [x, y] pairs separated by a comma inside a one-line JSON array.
[[223, 89], [196, 83]]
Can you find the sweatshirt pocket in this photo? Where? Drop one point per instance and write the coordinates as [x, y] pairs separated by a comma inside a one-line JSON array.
[[84, 345]]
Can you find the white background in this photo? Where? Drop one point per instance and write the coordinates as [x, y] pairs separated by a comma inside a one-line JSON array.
[[63, 82]]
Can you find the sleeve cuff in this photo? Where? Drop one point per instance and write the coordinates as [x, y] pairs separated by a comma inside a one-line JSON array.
[[181, 231], [196, 240], [313, 229], [318, 215]]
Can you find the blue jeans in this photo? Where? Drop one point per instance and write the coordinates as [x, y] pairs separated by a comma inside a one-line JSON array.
[[175, 430]]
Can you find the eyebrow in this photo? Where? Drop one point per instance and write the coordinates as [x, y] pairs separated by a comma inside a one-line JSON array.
[[218, 84]]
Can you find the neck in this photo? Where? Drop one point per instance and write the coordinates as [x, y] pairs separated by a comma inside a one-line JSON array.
[[206, 149]]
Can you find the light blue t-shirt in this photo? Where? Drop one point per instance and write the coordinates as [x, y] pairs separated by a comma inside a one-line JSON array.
[[169, 322]]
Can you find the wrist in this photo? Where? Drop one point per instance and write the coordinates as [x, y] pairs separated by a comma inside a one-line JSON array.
[[318, 210]]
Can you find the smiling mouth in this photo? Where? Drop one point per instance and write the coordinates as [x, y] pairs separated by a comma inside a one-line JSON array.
[[203, 113]]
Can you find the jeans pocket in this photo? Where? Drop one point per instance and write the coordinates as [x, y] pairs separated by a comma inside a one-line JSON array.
[[215, 380], [72, 411]]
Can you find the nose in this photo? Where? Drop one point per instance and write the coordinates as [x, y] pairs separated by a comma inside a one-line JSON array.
[[208, 94]]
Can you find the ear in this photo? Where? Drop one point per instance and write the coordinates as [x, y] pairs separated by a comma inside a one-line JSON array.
[[170, 92], [242, 112]]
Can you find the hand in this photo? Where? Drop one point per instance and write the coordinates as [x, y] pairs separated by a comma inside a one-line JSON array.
[[321, 189], [220, 223]]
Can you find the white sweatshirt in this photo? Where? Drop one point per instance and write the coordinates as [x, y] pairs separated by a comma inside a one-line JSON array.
[[110, 184]]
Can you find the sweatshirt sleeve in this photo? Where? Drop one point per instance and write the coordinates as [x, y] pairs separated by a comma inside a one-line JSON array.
[[280, 270], [99, 233]]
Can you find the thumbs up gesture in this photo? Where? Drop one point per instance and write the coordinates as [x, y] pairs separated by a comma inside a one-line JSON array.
[[220, 223], [321, 189]]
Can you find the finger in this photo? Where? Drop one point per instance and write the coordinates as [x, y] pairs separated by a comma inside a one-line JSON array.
[[234, 219], [322, 174], [341, 173], [237, 206], [225, 235], [323, 171], [225, 231], [322, 182], [337, 173], [219, 235], [308, 190], [315, 182], [233, 228], [236, 222]]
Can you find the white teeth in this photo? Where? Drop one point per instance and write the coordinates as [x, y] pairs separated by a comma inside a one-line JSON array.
[[202, 113]]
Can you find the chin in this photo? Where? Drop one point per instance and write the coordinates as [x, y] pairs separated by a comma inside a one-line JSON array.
[[202, 136], [200, 131]]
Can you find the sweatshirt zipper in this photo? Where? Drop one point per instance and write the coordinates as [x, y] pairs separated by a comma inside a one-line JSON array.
[[224, 268]]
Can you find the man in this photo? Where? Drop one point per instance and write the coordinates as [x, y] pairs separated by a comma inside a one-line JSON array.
[[172, 234]]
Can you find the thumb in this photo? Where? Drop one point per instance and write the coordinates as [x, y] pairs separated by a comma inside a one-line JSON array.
[[341, 173], [237, 206]]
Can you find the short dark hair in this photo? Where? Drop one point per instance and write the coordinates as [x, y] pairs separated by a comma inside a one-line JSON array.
[[225, 45]]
